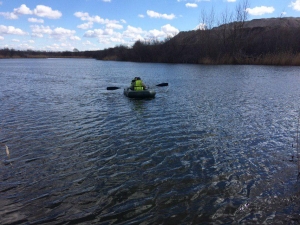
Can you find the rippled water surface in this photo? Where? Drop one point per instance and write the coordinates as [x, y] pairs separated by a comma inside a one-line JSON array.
[[214, 147]]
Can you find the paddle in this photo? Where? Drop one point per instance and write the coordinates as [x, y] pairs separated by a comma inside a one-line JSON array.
[[115, 88], [162, 84], [112, 88]]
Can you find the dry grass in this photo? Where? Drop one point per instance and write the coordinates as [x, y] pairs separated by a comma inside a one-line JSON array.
[[111, 58], [6, 149], [206, 61], [280, 59], [227, 59]]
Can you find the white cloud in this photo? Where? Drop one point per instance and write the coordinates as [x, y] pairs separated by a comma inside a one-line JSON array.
[[100, 34], [53, 47], [75, 38], [1, 38], [87, 43], [153, 14], [155, 33], [295, 5], [258, 11], [231, 0], [117, 40], [35, 20], [141, 16], [62, 33], [11, 30], [200, 26], [134, 30], [81, 15], [9, 15], [130, 35], [22, 10], [165, 31], [86, 26], [36, 29], [169, 30], [106, 0], [106, 36], [39, 35], [123, 21], [108, 31], [94, 33], [57, 33], [191, 5], [25, 46], [45, 11], [114, 26], [84, 16], [40, 10], [133, 33], [15, 40]]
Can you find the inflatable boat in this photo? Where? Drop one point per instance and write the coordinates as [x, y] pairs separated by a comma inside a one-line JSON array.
[[139, 94]]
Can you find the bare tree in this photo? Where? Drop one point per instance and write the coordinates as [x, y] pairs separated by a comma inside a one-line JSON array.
[[241, 14], [207, 20], [231, 29]]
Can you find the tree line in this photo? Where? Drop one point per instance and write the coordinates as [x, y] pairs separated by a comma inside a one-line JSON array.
[[13, 53]]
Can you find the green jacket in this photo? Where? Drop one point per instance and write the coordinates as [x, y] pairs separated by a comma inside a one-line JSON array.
[[138, 85]]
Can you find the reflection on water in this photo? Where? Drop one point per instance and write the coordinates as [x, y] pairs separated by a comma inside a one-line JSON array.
[[138, 105], [215, 147]]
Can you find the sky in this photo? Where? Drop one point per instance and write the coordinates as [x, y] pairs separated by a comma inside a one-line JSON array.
[[65, 25]]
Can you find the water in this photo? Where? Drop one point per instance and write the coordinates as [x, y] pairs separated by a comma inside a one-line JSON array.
[[214, 147]]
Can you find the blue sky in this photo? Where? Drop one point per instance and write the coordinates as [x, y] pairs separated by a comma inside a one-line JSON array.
[[60, 25]]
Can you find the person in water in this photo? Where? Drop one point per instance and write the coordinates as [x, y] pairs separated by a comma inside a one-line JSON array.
[[137, 84]]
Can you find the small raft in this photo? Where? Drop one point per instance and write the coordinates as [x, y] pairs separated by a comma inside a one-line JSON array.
[[139, 94]]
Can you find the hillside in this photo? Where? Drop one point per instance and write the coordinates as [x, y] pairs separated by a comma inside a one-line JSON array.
[[254, 27], [285, 22], [258, 41]]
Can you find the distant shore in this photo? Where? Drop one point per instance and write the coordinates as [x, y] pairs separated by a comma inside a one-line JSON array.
[[279, 59]]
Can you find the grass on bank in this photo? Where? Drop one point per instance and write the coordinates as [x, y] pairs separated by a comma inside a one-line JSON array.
[[280, 59]]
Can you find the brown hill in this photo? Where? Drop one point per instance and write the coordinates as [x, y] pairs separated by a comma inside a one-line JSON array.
[[288, 22], [238, 40], [261, 41], [284, 22]]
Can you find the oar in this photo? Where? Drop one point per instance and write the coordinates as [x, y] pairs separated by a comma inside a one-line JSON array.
[[112, 88], [115, 88], [162, 84]]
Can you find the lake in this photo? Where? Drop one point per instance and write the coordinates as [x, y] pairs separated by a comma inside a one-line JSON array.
[[216, 146]]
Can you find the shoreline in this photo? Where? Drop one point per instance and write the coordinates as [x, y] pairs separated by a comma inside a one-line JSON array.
[[281, 59]]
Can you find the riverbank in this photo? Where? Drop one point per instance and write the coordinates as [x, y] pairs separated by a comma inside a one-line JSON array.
[[276, 59], [282, 59]]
